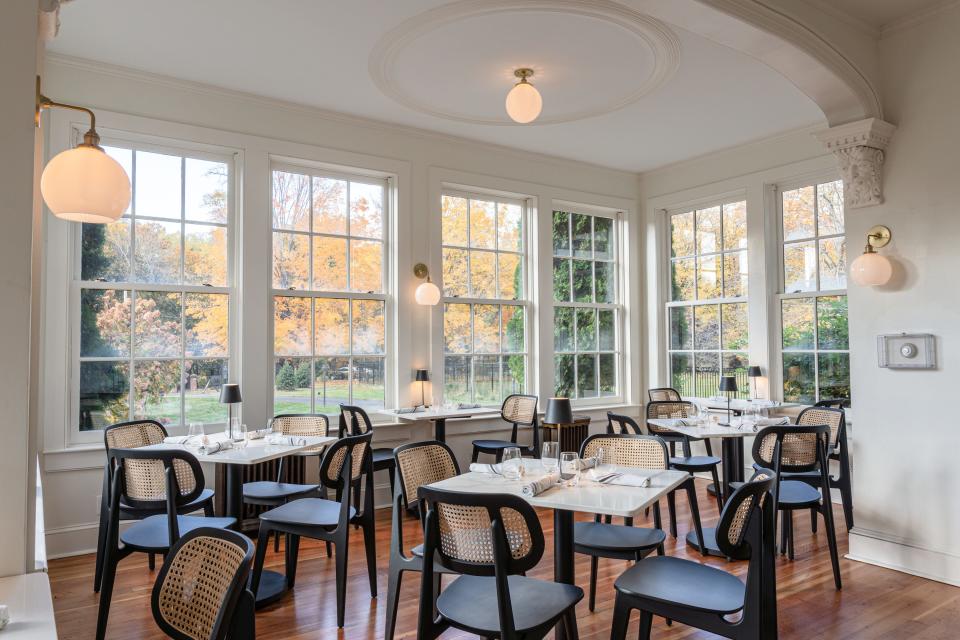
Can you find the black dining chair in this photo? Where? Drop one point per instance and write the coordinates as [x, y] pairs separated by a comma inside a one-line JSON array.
[[201, 592], [132, 435], [830, 412], [345, 463], [418, 464], [162, 481], [705, 597], [664, 394], [491, 540], [355, 421], [520, 411], [601, 539]]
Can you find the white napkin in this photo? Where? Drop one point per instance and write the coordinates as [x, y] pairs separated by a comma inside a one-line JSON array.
[[467, 405], [773, 422], [215, 446], [177, 439], [535, 488], [259, 433], [479, 467], [587, 463], [630, 480], [289, 441]]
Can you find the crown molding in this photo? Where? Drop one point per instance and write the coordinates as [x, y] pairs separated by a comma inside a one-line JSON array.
[[864, 133], [850, 20], [918, 17]]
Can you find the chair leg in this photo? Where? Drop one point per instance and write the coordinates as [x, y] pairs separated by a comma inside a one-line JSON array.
[[570, 624], [393, 598], [672, 508], [341, 555], [276, 542], [783, 536], [718, 494], [646, 624], [106, 592], [621, 618], [594, 561], [329, 549], [370, 544], [709, 447], [101, 545], [262, 541], [846, 497], [292, 549], [789, 522], [476, 455], [208, 508], [392, 472], [813, 520], [152, 561], [658, 524], [832, 543]]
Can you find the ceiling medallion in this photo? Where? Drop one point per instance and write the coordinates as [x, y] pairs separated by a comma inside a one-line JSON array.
[[660, 42]]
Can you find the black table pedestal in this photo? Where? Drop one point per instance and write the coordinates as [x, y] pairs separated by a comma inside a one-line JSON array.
[[563, 570]]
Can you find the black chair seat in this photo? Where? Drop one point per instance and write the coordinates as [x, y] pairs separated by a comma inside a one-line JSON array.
[[493, 445], [152, 534], [795, 494], [471, 602], [382, 459], [675, 581], [694, 463], [615, 537], [280, 491], [417, 550], [196, 505], [311, 512]]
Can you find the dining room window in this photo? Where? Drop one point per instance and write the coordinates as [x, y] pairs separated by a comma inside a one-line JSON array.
[[815, 347], [707, 308], [485, 296], [329, 271], [152, 293], [586, 305]]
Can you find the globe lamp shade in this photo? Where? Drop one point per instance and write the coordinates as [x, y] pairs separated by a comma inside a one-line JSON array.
[[524, 103], [871, 270], [427, 294], [84, 184]]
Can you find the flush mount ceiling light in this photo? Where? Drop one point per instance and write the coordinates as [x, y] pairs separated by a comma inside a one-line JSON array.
[[871, 269], [524, 102], [427, 294], [83, 184]]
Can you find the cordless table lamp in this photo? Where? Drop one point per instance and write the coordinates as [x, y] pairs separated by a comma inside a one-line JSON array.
[[728, 384]]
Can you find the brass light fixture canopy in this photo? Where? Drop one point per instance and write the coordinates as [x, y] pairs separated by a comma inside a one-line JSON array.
[[421, 271], [523, 73], [878, 236]]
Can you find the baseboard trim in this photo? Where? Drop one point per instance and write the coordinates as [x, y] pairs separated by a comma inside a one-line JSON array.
[[900, 554]]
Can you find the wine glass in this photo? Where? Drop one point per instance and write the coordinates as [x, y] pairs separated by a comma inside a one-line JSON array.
[[240, 435], [195, 433], [511, 463], [570, 468], [550, 457]]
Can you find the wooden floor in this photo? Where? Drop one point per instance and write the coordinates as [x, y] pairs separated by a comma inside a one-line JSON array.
[[874, 603]]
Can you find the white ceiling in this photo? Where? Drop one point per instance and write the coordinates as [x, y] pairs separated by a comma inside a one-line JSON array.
[[448, 74]]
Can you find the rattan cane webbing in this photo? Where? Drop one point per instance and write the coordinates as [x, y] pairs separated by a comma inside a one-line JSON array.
[[196, 584], [820, 416], [333, 472], [145, 479], [519, 409], [797, 449], [134, 435], [736, 530], [318, 425], [664, 395], [667, 411], [465, 533], [351, 417], [424, 465], [629, 452]]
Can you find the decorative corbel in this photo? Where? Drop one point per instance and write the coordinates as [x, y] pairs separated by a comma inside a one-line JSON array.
[[859, 148]]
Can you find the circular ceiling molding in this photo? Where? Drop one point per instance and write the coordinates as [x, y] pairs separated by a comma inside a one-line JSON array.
[[590, 57]]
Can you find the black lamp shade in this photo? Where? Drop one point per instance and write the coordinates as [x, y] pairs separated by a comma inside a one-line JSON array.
[[754, 372], [728, 383], [422, 375], [558, 411], [230, 394]]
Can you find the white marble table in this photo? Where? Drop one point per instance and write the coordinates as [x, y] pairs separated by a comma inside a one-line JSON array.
[[30, 604], [739, 405], [439, 416]]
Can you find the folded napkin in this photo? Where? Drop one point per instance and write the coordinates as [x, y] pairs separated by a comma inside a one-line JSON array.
[[177, 439], [465, 405], [288, 441], [630, 480], [213, 447], [259, 433], [587, 463], [480, 467], [773, 422], [537, 487]]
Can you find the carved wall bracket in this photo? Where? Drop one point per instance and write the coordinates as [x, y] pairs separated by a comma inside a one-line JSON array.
[[859, 148]]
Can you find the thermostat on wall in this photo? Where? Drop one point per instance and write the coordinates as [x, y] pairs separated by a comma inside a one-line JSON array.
[[907, 351]]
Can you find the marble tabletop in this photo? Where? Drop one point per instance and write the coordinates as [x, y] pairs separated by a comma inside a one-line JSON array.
[[255, 452], [739, 404], [707, 430], [439, 413], [30, 606]]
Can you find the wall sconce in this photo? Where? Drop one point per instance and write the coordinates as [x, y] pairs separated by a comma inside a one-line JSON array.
[[427, 293], [871, 269], [83, 184]]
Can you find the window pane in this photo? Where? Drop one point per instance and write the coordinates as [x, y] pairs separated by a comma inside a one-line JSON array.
[[291, 255], [486, 380], [563, 374], [608, 374], [797, 318], [125, 158], [561, 233], [681, 373], [291, 201], [735, 225], [483, 224], [105, 251], [513, 328], [706, 327], [205, 255], [798, 213], [510, 227], [834, 372], [586, 376], [291, 326], [331, 383], [708, 230], [329, 263], [605, 285], [510, 273], [104, 394], [603, 238], [514, 368], [582, 236], [457, 333], [735, 364], [366, 266], [104, 323], [608, 336], [586, 329], [830, 208], [582, 281], [456, 379], [291, 392], [366, 210], [706, 374], [734, 322], [681, 234], [483, 274], [156, 324], [833, 264], [563, 329], [157, 188], [561, 280], [453, 217], [798, 380], [157, 252], [206, 322], [201, 391], [368, 387], [682, 279], [455, 272], [205, 190], [800, 267], [708, 277], [735, 274], [332, 332], [832, 331], [156, 390], [486, 328], [368, 327], [329, 205], [681, 327]]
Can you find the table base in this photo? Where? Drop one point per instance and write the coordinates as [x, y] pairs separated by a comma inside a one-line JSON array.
[[272, 587], [709, 542]]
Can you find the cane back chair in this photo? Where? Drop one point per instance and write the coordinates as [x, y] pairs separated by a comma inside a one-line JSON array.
[[355, 421], [520, 411]]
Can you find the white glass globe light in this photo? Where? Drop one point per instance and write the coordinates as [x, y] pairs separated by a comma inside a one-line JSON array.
[[871, 270], [524, 102], [84, 184], [427, 294]]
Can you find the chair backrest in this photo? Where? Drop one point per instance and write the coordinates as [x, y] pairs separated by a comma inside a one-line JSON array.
[[834, 403], [622, 424], [133, 434], [156, 479], [663, 410], [358, 447], [422, 463], [735, 519], [792, 448], [664, 394], [625, 450], [521, 411], [301, 424], [354, 421], [833, 418], [200, 583], [481, 534]]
